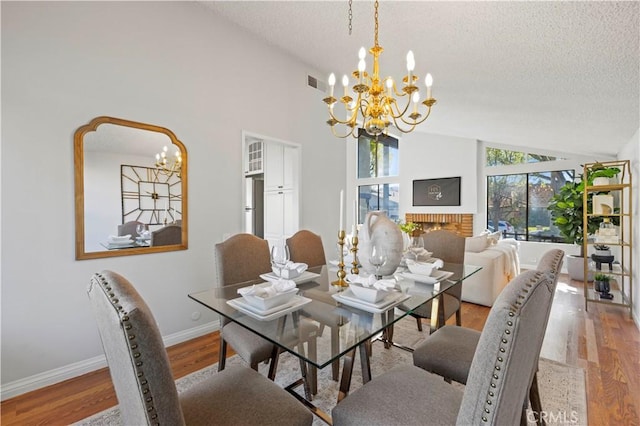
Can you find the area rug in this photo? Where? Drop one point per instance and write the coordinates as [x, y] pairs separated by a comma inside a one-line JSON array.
[[562, 387]]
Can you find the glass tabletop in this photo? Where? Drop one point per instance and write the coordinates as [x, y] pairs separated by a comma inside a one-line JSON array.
[[323, 322]]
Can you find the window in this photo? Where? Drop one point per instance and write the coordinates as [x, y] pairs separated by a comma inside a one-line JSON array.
[[505, 157], [517, 204], [378, 170]]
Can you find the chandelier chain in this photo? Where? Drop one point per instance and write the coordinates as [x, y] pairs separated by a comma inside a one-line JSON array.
[[376, 27], [350, 16]]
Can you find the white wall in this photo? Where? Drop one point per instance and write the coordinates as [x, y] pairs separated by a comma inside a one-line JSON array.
[[172, 64], [429, 156], [631, 151]]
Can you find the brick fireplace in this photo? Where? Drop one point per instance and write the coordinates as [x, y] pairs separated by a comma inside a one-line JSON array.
[[460, 223]]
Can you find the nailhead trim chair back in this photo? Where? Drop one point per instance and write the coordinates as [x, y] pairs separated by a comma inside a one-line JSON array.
[[507, 352], [138, 362]]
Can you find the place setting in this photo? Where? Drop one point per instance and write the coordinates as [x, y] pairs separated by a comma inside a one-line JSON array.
[[427, 272], [284, 268], [119, 241], [277, 296]]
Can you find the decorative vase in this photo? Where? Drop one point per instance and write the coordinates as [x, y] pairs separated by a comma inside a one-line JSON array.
[[380, 231]]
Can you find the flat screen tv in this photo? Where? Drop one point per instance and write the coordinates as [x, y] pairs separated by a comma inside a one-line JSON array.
[[437, 192]]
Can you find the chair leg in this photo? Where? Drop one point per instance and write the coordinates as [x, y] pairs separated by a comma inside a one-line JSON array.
[[419, 322], [459, 317], [313, 370], [273, 366], [222, 354], [534, 398]]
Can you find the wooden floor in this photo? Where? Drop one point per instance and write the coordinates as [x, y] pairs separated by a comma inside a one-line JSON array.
[[603, 341]]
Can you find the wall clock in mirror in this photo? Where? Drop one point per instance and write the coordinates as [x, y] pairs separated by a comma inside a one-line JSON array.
[[150, 196]]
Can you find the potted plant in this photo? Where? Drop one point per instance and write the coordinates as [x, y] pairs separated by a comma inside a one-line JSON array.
[[599, 174], [567, 214], [412, 229], [413, 232], [602, 250], [601, 283]]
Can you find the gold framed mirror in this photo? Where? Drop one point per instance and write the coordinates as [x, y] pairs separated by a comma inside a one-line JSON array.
[[126, 174]]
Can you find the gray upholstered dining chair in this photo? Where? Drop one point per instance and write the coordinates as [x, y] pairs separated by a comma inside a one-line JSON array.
[[449, 351], [129, 228], [232, 267], [449, 247], [141, 372], [306, 247], [503, 361], [167, 235]]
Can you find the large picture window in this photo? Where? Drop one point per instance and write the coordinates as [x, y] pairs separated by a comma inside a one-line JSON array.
[[377, 172], [517, 204]]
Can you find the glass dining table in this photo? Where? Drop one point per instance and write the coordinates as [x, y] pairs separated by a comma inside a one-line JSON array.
[[340, 323]]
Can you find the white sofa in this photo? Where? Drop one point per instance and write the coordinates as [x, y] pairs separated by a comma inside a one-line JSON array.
[[500, 264]]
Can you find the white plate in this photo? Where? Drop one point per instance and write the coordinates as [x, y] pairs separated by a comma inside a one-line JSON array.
[[436, 277], [294, 304], [347, 297], [304, 277], [120, 243]]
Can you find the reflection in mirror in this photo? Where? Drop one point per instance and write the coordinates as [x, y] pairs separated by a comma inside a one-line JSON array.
[[126, 187]]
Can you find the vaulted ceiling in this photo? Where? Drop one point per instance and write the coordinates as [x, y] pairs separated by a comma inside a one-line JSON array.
[[558, 75]]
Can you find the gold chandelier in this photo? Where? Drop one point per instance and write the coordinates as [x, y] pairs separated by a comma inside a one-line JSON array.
[[375, 107], [169, 166]]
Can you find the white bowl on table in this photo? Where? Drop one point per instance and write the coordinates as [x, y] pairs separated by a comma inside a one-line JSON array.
[[267, 300], [368, 294]]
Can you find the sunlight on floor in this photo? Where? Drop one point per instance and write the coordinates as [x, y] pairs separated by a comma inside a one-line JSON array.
[[567, 288]]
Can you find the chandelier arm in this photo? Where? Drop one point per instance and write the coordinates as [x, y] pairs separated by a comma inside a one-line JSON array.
[[410, 129], [333, 130], [415, 123], [404, 110], [337, 120]]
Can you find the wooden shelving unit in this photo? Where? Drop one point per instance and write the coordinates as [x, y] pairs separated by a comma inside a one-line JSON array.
[[621, 273]]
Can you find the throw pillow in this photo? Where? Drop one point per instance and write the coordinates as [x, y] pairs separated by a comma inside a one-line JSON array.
[[476, 244], [494, 237]]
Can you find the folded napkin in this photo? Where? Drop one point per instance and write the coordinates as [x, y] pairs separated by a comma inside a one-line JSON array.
[[424, 268], [371, 281], [119, 238], [267, 290], [291, 270]]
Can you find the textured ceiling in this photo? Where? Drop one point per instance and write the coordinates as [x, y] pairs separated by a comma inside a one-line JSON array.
[[556, 75]]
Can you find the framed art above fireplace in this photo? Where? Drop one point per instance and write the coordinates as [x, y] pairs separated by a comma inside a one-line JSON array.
[[437, 192]]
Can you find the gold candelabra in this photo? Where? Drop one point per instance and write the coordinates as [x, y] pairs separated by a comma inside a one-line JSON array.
[[354, 250], [340, 282]]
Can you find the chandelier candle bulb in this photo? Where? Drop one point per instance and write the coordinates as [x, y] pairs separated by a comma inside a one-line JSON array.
[[345, 83], [416, 98], [411, 64], [332, 83], [389, 87], [428, 81]]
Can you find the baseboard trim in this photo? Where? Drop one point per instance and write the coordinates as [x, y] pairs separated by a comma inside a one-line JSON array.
[[57, 375]]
